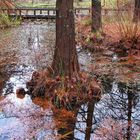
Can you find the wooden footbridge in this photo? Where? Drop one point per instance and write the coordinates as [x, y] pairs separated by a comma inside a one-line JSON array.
[[39, 13], [46, 13], [31, 13]]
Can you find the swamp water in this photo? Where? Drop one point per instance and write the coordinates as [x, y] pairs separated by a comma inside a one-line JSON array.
[[30, 47]]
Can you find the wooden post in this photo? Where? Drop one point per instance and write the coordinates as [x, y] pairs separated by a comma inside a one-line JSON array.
[[8, 11], [48, 13], [16, 12], [27, 12], [3, 10], [34, 12], [105, 11], [20, 13], [89, 11], [75, 11], [54, 12]]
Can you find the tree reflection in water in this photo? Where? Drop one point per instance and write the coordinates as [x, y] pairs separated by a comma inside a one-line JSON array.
[[115, 117]]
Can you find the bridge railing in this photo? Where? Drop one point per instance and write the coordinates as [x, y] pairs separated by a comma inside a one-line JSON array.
[[29, 12], [51, 12]]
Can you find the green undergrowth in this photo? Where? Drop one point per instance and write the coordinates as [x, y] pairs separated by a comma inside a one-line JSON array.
[[105, 4], [35, 5], [6, 21], [86, 22]]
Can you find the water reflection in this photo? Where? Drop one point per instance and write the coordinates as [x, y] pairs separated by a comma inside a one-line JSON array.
[[119, 107], [18, 79], [25, 119], [116, 116], [21, 118]]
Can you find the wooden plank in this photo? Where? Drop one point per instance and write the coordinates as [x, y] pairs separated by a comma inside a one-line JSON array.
[[48, 11], [26, 12], [20, 13], [34, 12]]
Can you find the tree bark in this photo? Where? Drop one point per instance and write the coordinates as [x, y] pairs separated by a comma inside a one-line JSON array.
[[65, 62], [96, 15], [129, 119], [89, 120], [136, 17]]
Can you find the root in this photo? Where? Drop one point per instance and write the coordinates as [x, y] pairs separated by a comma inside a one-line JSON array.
[[62, 91]]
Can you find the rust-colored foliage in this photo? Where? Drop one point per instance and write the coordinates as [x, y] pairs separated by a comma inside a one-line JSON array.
[[6, 4], [63, 91], [92, 41], [63, 117], [42, 103]]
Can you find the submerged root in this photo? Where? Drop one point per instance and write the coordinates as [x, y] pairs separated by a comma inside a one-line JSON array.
[[64, 92]]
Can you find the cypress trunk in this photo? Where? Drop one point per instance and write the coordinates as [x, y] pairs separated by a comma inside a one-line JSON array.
[[96, 15], [65, 62], [89, 120], [136, 17]]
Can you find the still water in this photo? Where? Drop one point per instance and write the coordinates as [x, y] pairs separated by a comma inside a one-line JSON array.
[[30, 47]]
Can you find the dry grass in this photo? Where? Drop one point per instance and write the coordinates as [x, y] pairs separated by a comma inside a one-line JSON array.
[[64, 92]]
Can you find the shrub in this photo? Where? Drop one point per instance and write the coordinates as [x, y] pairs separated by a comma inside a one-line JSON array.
[[6, 21], [124, 33], [87, 21], [128, 30]]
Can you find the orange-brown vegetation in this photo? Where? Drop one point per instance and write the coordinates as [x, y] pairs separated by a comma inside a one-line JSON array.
[[6, 4], [63, 117], [62, 91], [121, 36]]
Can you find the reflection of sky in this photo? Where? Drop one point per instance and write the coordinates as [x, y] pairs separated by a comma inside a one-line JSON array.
[[81, 124], [35, 45], [18, 79], [21, 119], [110, 110], [84, 59]]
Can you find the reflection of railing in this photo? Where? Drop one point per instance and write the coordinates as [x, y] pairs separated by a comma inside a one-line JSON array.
[[50, 12]]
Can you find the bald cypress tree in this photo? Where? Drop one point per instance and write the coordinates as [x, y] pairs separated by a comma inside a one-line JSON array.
[[96, 15], [65, 62], [136, 17]]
